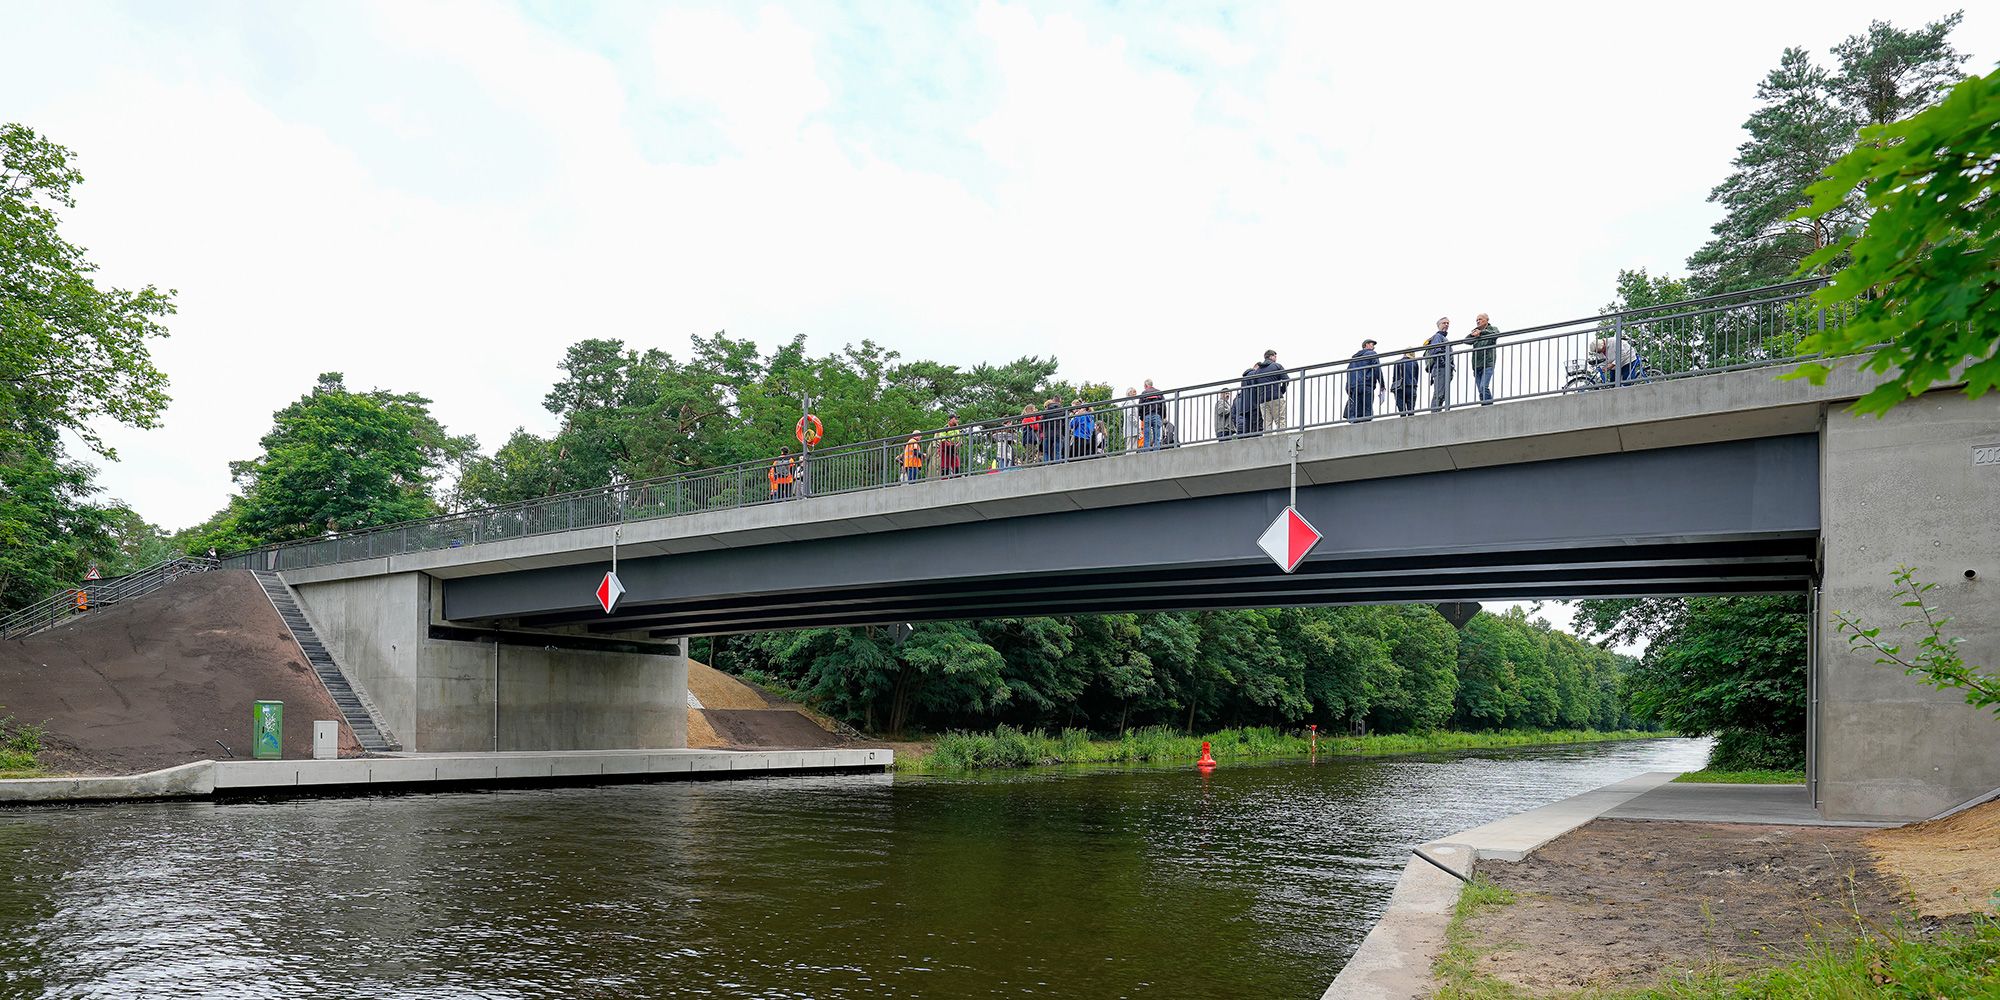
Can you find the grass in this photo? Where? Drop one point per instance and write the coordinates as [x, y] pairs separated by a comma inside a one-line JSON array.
[[1950, 964], [1710, 776], [1008, 747], [1953, 963], [1457, 967], [20, 749]]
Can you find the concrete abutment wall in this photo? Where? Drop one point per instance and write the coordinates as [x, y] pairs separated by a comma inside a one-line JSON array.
[[440, 695], [1905, 490]]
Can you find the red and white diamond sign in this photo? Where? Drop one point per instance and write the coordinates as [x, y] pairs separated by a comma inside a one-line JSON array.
[[608, 592], [1288, 539]]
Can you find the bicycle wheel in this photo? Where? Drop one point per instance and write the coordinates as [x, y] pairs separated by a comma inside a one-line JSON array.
[[1579, 383]]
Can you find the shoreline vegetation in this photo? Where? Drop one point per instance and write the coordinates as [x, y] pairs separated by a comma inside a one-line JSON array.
[[1711, 776], [1009, 748]]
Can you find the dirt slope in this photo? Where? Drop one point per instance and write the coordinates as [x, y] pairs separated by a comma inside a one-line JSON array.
[[739, 716], [1951, 865], [155, 681]]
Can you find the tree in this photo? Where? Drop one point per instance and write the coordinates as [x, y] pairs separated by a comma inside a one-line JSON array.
[[1798, 130], [337, 460], [74, 351], [1919, 280], [1734, 668], [71, 353], [1808, 117]]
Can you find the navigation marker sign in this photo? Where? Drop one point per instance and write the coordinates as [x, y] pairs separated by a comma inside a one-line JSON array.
[[609, 590], [1288, 539]]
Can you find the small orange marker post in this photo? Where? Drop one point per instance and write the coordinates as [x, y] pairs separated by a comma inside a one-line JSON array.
[[1313, 735], [1207, 761]]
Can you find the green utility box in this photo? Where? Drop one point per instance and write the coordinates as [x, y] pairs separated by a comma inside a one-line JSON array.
[[267, 730]]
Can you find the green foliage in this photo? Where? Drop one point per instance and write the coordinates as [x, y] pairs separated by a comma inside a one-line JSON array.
[[1011, 747], [1950, 962], [1456, 968], [1807, 118], [73, 355], [1716, 776], [1393, 669], [337, 460], [1920, 277], [1743, 749], [74, 351], [20, 745], [1733, 667], [1936, 658]]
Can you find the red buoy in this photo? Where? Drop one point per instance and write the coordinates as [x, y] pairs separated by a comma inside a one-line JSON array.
[[1207, 761]]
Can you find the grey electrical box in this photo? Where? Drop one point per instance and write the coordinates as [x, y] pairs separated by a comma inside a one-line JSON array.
[[326, 740]]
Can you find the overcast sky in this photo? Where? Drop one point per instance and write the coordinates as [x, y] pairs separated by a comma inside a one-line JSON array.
[[441, 197]]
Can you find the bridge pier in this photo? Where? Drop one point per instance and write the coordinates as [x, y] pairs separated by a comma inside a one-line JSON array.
[[442, 687], [1904, 489]]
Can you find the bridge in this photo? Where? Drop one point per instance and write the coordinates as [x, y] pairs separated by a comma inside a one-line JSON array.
[[481, 631]]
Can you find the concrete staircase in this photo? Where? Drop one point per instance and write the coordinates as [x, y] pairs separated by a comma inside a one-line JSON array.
[[353, 706]]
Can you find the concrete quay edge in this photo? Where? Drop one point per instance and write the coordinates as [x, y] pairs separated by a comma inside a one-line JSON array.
[[1394, 960], [439, 772]]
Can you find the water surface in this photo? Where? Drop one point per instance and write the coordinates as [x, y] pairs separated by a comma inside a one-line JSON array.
[[1255, 881]]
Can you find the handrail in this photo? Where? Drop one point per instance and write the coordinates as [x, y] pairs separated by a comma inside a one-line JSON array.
[[1755, 327], [64, 604]]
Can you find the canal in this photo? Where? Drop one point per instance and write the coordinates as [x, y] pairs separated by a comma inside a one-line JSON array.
[[1255, 881]]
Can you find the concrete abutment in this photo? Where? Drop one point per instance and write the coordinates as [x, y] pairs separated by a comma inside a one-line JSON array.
[[483, 690], [1906, 489]]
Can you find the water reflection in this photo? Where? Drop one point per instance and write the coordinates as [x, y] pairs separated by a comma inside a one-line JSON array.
[[1251, 881]]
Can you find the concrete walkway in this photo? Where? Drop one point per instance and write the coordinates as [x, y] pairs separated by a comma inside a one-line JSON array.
[[1784, 805], [437, 772]]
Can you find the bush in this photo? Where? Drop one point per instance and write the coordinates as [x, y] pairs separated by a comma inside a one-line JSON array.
[[20, 746], [1754, 750]]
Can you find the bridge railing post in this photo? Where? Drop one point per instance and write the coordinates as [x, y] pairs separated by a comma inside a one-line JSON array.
[[1617, 350]]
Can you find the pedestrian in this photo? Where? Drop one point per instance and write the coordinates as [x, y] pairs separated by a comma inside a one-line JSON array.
[[913, 458], [1082, 429], [1152, 415], [1482, 338], [1128, 421], [1364, 377], [1005, 437], [1268, 382], [1438, 360], [782, 471], [1225, 415], [1031, 436], [951, 448], [1055, 433], [1629, 367], [1405, 380]]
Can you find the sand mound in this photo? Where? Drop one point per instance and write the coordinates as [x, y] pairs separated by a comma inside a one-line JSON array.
[[716, 689], [1951, 865], [155, 681], [735, 715]]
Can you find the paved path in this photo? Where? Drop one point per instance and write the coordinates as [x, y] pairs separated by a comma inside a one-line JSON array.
[[1785, 805]]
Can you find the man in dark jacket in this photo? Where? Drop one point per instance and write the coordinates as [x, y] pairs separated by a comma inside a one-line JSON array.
[[1364, 377], [1266, 384], [1437, 358], [1405, 380], [1152, 417]]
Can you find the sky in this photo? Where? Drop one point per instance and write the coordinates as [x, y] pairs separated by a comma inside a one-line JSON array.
[[441, 197]]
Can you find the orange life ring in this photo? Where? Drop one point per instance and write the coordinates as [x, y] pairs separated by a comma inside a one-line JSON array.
[[812, 437]]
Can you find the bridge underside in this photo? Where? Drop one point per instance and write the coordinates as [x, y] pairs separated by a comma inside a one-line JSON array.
[[1727, 518]]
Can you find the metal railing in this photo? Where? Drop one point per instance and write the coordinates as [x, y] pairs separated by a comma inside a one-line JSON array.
[[1754, 328], [94, 594]]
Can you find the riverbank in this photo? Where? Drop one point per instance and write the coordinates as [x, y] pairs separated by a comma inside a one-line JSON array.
[[437, 772], [1641, 909], [1008, 747]]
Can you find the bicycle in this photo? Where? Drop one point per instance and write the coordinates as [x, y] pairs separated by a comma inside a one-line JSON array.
[[1580, 374]]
